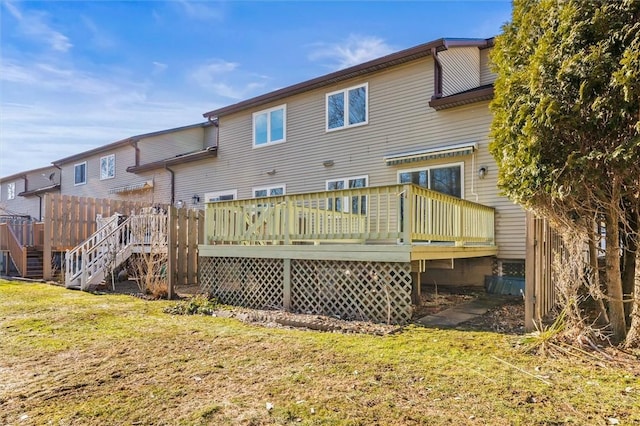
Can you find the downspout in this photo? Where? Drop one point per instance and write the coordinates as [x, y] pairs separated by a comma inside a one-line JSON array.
[[134, 144], [437, 74], [40, 209], [173, 183], [473, 175]]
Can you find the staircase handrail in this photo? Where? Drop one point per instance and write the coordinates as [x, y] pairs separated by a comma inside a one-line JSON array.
[[86, 260], [73, 257]]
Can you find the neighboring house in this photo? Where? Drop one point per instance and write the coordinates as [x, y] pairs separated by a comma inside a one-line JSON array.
[[416, 116], [21, 194], [136, 168]]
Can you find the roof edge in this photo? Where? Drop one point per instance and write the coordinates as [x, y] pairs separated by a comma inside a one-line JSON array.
[[172, 161], [127, 141], [383, 62]]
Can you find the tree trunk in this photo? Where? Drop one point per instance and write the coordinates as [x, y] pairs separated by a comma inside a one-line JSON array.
[[595, 290], [633, 337], [614, 279]]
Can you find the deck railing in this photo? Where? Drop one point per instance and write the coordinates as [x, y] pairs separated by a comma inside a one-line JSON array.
[[397, 213]]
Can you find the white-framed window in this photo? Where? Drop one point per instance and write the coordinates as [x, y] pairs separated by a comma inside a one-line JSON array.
[[11, 190], [445, 178], [80, 173], [348, 107], [270, 126], [108, 167], [227, 195], [269, 191], [357, 204]]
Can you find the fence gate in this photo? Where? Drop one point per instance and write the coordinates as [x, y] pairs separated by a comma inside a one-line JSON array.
[[543, 244], [186, 231]]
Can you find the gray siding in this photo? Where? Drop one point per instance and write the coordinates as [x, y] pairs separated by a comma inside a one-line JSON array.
[[399, 120], [95, 187], [460, 69], [27, 205], [170, 144], [486, 75]]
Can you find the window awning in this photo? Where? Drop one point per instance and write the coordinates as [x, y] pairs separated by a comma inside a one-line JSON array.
[[133, 187], [431, 153]]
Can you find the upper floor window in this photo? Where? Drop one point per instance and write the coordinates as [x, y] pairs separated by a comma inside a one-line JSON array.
[[348, 107], [446, 179], [228, 195], [80, 173], [269, 191], [269, 126], [11, 191], [108, 166]]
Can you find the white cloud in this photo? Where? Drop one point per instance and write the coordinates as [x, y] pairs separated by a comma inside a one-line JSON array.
[[226, 79], [99, 38], [34, 25], [200, 10], [355, 50], [159, 67]]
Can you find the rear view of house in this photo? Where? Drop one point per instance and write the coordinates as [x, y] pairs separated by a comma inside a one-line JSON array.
[[340, 195]]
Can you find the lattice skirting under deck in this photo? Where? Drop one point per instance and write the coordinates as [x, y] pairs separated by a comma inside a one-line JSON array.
[[373, 291]]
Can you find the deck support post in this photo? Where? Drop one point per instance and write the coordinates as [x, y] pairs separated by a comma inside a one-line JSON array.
[[416, 285], [286, 298]]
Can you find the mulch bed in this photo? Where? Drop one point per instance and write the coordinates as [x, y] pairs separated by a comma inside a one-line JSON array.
[[507, 318]]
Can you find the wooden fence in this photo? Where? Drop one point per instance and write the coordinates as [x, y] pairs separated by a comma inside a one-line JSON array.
[[186, 231], [69, 220], [543, 245]]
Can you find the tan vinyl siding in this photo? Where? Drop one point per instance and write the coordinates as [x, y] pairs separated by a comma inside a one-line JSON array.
[[486, 75], [210, 136], [197, 178], [30, 205], [95, 187], [161, 193], [460, 69], [18, 205], [168, 145], [399, 120]]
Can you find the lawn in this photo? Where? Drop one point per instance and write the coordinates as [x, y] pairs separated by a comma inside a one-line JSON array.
[[74, 358]]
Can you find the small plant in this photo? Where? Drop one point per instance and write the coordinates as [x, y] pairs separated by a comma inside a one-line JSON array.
[[197, 305]]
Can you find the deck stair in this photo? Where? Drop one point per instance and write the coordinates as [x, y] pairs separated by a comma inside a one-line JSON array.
[[34, 263], [111, 245]]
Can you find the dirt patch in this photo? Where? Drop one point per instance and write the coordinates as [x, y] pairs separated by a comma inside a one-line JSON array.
[[506, 318]]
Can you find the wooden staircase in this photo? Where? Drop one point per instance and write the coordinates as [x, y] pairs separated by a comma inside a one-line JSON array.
[[35, 263], [111, 245]]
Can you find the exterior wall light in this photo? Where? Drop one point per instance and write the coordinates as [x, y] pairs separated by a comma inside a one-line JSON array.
[[271, 172], [195, 199], [327, 163], [482, 172]]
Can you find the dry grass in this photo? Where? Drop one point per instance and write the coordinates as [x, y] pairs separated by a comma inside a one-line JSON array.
[[75, 358]]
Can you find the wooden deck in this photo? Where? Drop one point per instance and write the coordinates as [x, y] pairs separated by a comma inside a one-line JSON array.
[[393, 223]]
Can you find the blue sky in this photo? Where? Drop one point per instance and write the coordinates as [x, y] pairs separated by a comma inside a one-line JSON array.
[[75, 75]]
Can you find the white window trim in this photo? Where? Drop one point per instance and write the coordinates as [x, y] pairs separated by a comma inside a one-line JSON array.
[[216, 194], [85, 174], [269, 142], [346, 107], [114, 166], [345, 201], [438, 166], [11, 195], [268, 189]]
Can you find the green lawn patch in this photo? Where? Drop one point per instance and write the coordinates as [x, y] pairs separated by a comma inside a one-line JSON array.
[[69, 357]]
